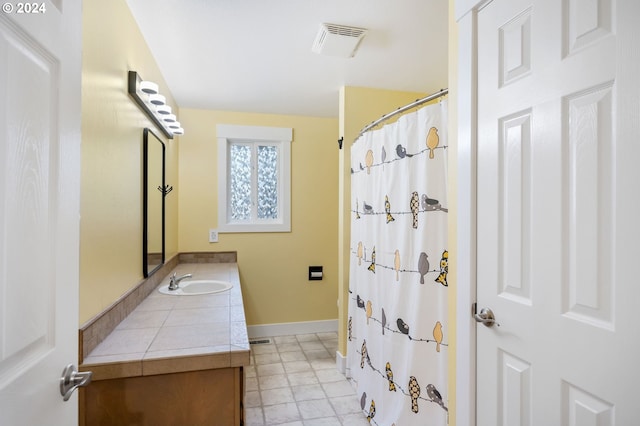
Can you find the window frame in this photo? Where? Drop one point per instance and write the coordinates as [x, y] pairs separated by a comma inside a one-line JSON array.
[[275, 136]]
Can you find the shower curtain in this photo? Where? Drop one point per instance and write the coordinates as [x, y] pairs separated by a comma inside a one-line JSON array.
[[397, 322]]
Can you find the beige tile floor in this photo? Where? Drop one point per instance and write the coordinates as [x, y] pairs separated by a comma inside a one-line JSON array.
[[293, 381]]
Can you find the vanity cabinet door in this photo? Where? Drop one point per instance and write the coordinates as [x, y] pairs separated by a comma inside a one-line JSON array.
[[205, 397]]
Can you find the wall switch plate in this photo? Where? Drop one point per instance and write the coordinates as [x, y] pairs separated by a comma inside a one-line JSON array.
[[213, 235]]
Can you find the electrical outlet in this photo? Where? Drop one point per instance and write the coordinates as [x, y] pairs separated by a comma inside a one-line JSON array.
[[213, 235]]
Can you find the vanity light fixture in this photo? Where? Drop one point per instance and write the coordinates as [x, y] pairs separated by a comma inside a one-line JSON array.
[[147, 96]]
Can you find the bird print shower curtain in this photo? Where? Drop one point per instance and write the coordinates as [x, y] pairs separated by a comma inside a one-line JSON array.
[[397, 322]]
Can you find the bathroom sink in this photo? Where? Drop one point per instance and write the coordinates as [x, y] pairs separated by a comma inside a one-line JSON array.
[[196, 287]]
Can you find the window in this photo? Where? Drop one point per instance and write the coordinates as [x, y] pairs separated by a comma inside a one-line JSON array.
[[254, 178]]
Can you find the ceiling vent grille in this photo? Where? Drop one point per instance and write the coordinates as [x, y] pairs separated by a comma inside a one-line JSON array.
[[338, 40]]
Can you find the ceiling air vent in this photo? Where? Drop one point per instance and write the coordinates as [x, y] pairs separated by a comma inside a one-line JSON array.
[[338, 40]]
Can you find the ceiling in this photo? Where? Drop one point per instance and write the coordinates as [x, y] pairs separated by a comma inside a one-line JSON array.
[[255, 55]]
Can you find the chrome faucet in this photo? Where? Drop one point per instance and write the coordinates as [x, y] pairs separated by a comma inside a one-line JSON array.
[[174, 283]]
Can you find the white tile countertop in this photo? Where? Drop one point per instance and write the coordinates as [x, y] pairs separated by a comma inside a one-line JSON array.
[[170, 334]]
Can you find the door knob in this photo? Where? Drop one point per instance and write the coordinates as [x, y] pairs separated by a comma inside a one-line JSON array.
[[486, 317], [71, 380]]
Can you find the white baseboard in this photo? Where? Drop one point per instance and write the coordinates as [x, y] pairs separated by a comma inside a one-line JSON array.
[[341, 362], [290, 328]]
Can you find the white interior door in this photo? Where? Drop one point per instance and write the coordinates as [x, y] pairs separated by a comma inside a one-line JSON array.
[[40, 65], [557, 212]]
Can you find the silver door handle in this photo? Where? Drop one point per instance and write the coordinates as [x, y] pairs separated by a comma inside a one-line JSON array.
[[71, 380], [486, 317]]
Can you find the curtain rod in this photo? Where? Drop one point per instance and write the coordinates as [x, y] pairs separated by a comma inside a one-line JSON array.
[[400, 110]]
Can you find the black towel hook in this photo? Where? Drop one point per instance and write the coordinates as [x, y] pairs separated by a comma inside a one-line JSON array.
[[167, 189]]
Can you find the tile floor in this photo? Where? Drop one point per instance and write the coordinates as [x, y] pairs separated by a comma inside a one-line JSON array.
[[293, 381]]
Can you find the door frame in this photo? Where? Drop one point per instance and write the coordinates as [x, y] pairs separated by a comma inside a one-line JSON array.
[[466, 13]]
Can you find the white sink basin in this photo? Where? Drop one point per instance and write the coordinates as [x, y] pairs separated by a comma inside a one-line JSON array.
[[196, 287]]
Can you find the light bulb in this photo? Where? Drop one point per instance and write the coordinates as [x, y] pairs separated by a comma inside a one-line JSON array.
[[157, 99], [163, 109], [149, 87]]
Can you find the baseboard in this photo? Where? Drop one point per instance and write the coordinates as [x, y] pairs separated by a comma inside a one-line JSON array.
[[291, 328], [341, 362]]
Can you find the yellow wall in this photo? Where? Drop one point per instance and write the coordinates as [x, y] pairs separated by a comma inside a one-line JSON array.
[[273, 266], [111, 181], [359, 106]]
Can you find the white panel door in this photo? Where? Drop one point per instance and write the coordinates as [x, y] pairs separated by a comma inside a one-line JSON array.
[[557, 212], [40, 67]]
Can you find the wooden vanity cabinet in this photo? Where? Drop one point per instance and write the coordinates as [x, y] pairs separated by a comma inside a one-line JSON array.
[[204, 397]]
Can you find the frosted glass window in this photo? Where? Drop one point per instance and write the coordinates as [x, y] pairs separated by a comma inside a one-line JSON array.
[[254, 179], [267, 182], [240, 182]]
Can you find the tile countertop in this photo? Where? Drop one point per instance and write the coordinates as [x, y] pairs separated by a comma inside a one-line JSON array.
[[171, 334]]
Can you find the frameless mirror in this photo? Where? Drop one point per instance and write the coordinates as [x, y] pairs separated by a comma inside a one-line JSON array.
[[153, 188]]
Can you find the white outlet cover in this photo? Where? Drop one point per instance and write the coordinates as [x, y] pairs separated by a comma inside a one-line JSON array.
[[213, 235]]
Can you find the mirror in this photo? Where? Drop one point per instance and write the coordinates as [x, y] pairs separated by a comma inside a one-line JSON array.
[[153, 188]]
